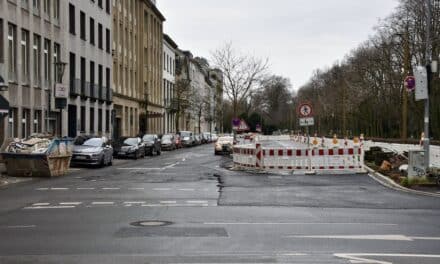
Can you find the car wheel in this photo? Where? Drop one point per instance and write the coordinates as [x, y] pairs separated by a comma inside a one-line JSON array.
[[136, 155], [110, 163], [102, 162]]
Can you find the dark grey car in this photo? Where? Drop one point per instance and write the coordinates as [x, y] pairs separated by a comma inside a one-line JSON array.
[[132, 147], [152, 144], [92, 151], [168, 142]]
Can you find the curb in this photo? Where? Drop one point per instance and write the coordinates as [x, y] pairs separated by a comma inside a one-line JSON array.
[[387, 182]]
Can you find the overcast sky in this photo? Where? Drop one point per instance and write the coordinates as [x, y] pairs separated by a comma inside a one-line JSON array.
[[298, 36]]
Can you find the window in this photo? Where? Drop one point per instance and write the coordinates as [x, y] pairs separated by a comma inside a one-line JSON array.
[[100, 78], [107, 40], [92, 76], [12, 51], [83, 73], [92, 119], [72, 73], [92, 31], [56, 58], [107, 79], [36, 5], [37, 121], [37, 60], [107, 121], [100, 36], [72, 19], [83, 119], [99, 120], [56, 10], [107, 6], [25, 56], [46, 62], [46, 7], [100, 3], [2, 56], [82, 21]]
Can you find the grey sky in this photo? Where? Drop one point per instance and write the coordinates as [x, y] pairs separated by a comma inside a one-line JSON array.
[[298, 36]]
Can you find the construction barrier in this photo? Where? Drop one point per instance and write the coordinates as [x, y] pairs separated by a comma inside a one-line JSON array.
[[317, 159]]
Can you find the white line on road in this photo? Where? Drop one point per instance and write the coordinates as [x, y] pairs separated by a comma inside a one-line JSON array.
[[137, 188], [40, 204], [42, 189], [168, 202], [139, 168], [51, 207], [197, 202], [103, 203], [360, 257], [187, 190], [109, 188], [134, 202], [19, 226], [293, 254], [88, 188], [293, 223], [59, 189], [361, 237], [70, 203]]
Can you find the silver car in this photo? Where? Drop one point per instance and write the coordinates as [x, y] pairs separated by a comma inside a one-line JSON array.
[[92, 151]]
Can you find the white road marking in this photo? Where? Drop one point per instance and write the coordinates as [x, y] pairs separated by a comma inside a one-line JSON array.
[[293, 223], [103, 203], [134, 202], [70, 203], [168, 202], [40, 204], [171, 165], [137, 188], [51, 207], [362, 237], [425, 238], [162, 189], [183, 159], [109, 188], [360, 257], [42, 189], [197, 202], [19, 226], [187, 190], [293, 254], [139, 168], [85, 188], [59, 189]]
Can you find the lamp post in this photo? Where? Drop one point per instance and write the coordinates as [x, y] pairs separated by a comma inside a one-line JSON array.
[[61, 91]]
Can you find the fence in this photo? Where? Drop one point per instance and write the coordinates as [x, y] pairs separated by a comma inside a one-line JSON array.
[[289, 158]]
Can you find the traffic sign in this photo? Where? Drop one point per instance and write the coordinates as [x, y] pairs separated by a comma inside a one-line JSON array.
[[421, 76], [307, 121], [305, 110], [410, 83]]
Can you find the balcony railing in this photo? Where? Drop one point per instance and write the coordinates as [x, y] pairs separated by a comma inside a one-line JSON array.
[[75, 87], [109, 98]]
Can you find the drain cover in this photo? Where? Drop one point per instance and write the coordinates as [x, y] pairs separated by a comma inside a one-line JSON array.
[[148, 223]]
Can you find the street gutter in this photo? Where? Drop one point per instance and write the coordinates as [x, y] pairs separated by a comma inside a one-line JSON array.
[[387, 182]]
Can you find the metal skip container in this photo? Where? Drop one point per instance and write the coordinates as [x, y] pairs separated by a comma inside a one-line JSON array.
[[53, 162]]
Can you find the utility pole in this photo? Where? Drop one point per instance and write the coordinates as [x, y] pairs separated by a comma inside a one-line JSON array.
[[428, 61], [406, 63]]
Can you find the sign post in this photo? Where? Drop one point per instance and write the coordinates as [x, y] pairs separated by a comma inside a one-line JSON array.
[[305, 111]]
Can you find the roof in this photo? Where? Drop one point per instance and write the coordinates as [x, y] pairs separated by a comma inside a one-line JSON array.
[[155, 9], [170, 41]]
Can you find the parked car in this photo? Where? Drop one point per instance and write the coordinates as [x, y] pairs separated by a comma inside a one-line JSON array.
[[214, 137], [224, 145], [152, 144], [177, 141], [131, 147], [168, 142], [90, 150], [206, 137], [187, 138], [197, 139]]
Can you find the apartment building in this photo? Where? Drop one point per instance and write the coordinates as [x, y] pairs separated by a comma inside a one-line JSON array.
[[169, 81], [88, 54], [31, 40], [137, 75]]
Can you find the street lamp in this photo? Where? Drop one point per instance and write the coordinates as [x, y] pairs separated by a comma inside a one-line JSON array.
[[61, 91]]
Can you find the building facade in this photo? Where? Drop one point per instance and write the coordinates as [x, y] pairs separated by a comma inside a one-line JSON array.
[[89, 62], [137, 64], [169, 81], [32, 39]]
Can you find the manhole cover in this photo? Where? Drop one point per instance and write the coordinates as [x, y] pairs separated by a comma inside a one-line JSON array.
[[148, 223]]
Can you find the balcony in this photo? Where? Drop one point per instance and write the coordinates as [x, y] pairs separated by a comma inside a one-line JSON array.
[[85, 90], [109, 98], [94, 91], [75, 88], [103, 94]]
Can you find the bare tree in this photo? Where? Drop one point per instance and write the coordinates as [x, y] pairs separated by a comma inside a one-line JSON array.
[[241, 73]]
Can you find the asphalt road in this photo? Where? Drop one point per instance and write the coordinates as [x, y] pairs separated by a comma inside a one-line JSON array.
[[213, 215]]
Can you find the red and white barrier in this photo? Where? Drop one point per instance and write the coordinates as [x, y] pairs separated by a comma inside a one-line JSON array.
[[319, 159]]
